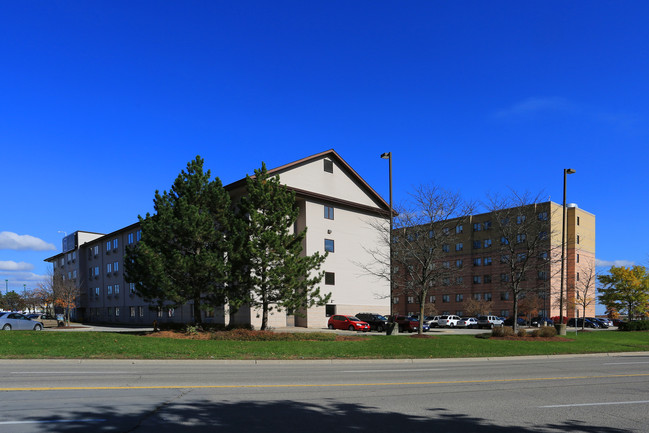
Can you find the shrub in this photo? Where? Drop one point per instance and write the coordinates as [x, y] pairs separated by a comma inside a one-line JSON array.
[[535, 333], [636, 325], [521, 333], [484, 335], [547, 331], [502, 331]]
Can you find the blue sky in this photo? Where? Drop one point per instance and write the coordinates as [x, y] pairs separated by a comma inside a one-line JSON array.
[[104, 102]]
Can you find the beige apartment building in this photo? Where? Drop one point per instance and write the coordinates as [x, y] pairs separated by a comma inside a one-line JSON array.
[[478, 267], [337, 206]]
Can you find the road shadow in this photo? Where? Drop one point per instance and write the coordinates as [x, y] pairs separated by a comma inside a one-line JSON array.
[[290, 417]]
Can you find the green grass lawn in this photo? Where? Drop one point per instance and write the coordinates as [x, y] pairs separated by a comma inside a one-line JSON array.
[[104, 345]]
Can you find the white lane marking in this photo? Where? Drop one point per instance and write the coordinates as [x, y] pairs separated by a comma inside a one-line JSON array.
[[393, 371], [51, 421], [624, 363], [608, 403]]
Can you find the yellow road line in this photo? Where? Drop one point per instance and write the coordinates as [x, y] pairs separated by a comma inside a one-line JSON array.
[[328, 385]]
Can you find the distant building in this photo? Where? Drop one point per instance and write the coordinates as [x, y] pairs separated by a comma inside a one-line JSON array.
[[336, 205], [477, 270]]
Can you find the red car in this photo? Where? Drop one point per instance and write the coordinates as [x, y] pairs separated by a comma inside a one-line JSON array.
[[353, 323]]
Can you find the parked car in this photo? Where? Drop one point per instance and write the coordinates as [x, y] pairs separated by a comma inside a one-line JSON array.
[[510, 322], [468, 322], [353, 323], [539, 321], [582, 323], [600, 323], [17, 321], [448, 321], [408, 324], [432, 321], [489, 321], [606, 320], [377, 322], [47, 320]]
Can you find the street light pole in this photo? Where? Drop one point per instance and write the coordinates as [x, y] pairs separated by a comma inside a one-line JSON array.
[[566, 172], [388, 156]]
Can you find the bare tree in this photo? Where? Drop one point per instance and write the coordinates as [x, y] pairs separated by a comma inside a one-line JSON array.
[[65, 292], [424, 231], [525, 246], [585, 289]]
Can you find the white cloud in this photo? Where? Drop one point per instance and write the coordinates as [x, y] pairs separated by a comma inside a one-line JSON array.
[[13, 241], [609, 263], [12, 266], [536, 105]]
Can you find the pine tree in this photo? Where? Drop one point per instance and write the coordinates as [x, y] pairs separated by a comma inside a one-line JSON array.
[[183, 254], [271, 263]]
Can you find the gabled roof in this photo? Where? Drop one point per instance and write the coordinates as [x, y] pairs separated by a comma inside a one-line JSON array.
[[333, 155]]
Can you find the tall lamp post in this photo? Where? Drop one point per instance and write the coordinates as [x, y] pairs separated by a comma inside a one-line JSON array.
[[566, 172], [6, 286], [388, 156]]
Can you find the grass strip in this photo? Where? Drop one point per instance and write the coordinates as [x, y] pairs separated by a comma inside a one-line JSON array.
[[104, 345]]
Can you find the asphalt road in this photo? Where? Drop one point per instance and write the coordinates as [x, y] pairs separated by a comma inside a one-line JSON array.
[[603, 394]]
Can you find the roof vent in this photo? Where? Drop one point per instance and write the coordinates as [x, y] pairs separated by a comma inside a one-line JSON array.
[[572, 205]]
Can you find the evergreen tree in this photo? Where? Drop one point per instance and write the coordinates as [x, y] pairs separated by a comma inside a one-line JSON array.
[[270, 262], [183, 253]]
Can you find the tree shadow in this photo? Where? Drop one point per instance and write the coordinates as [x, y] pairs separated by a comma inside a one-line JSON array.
[[291, 417]]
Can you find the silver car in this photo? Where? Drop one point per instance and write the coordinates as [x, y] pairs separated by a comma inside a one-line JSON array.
[[17, 321]]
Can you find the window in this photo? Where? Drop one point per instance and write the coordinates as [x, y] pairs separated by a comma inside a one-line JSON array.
[[521, 257], [504, 278], [97, 291], [477, 296], [116, 311], [446, 298], [138, 235], [330, 278], [487, 261], [487, 279], [74, 272], [109, 290], [395, 300], [116, 266], [577, 238], [445, 230], [329, 245], [477, 227], [543, 216], [543, 235], [504, 240], [131, 311], [542, 275], [477, 279], [577, 276], [446, 248], [504, 258], [520, 238], [130, 238], [504, 296], [410, 299], [459, 280], [431, 234], [109, 268], [131, 288], [140, 311], [431, 299], [459, 297], [477, 261], [487, 296], [108, 246], [116, 289], [486, 225], [459, 263], [446, 281], [544, 256], [577, 220], [69, 275], [487, 243], [96, 271], [504, 313], [520, 219], [328, 212], [328, 166], [459, 229], [459, 246], [446, 265], [577, 258], [115, 243], [96, 250], [477, 245]]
